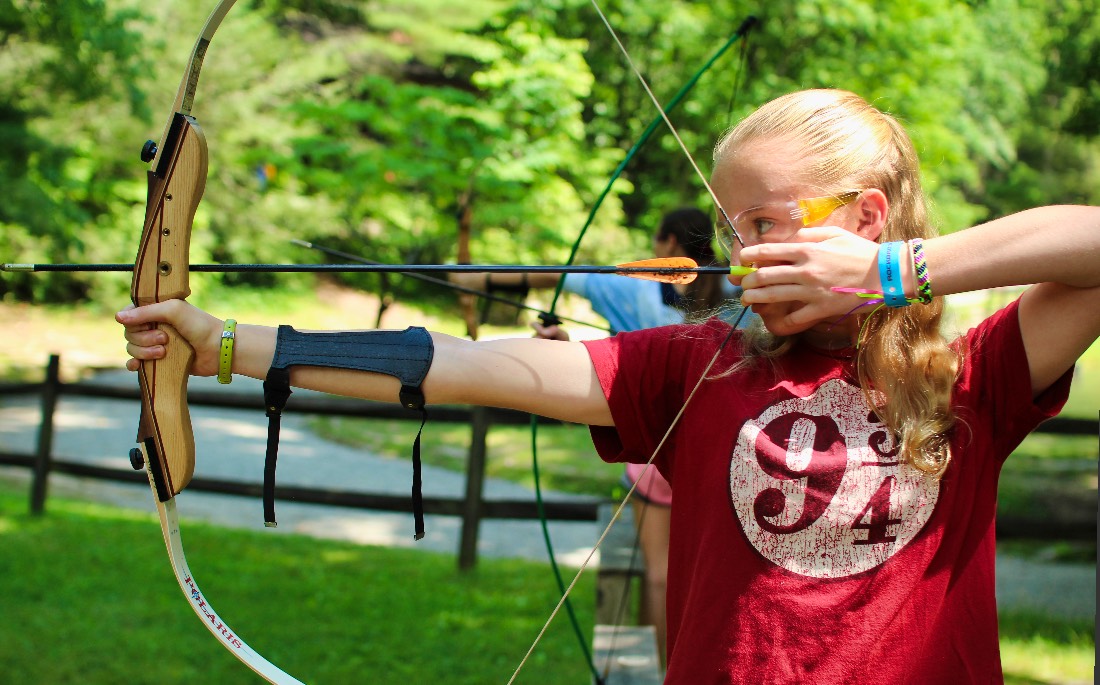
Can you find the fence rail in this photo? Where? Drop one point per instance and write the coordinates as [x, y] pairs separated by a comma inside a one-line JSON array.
[[471, 508]]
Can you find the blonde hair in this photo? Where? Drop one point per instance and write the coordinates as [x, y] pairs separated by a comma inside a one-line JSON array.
[[906, 369]]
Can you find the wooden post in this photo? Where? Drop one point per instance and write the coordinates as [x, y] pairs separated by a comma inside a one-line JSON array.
[[475, 485], [50, 390], [627, 655]]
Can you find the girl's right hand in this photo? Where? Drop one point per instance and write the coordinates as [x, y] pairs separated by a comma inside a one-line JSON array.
[[793, 289], [146, 342]]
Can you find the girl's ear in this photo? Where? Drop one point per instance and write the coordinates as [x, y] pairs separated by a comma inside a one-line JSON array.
[[870, 212]]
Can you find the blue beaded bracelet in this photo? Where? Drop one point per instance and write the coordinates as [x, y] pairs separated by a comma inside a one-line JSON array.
[[889, 273]]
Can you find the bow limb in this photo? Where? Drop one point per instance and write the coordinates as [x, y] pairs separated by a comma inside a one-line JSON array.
[[185, 95]]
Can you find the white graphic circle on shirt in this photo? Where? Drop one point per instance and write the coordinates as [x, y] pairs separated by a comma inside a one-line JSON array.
[[818, 489]]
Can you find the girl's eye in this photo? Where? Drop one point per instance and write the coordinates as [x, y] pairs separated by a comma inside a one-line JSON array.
[[762, 226]]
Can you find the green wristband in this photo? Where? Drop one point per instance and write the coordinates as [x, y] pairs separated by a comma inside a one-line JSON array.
[[225, 358]]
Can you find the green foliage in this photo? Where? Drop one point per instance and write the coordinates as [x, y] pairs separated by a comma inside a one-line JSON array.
[[367, 126], [69, 81], [1058, 151], [496, 126]]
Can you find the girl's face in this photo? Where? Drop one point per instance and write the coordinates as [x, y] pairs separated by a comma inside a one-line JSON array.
[[764, 198], [759, 188]]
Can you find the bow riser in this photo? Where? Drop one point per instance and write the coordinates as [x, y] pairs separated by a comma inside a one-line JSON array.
[[176, 185], [167, 439]]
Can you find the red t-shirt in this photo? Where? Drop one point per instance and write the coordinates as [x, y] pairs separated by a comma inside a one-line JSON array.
[[802, 551]]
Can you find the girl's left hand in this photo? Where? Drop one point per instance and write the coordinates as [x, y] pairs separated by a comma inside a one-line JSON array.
[[792, 289], [553, 332]]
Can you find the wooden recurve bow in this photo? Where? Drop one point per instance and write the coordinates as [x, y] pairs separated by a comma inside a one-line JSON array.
[[177, 178]]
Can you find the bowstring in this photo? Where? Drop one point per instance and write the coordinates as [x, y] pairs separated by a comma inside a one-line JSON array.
[[622, 607], [626, 500], [675, 420], [741, 32]]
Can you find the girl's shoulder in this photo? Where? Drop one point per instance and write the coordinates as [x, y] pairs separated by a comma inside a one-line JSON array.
[[703, 335], [684, 348]]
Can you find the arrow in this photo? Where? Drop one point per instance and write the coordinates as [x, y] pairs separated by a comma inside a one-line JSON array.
[[543, 314], [664, 270]]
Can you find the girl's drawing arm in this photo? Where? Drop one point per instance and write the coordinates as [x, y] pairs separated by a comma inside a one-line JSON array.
[[1054, 249]]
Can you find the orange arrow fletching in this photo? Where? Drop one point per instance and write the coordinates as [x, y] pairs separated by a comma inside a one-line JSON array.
[[657, 269]]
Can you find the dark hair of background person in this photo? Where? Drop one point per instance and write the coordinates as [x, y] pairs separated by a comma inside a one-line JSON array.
[[694, 231]]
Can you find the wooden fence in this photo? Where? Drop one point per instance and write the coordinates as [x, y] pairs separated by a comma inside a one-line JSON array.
[[472, 508]]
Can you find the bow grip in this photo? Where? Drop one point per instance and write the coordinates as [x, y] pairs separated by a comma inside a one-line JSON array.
[[176, 185], [165, 431]]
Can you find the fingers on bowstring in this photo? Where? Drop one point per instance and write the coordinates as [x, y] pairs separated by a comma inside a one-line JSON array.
[[774, 275]]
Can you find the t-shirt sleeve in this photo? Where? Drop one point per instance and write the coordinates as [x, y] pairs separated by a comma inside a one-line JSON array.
[[994, 387], [644, 376]]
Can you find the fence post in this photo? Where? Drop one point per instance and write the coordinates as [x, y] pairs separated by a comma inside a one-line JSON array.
[[475, 485], [50, 390]]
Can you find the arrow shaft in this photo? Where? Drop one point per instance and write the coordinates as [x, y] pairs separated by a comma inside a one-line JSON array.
[[386, 268], [446, 284]]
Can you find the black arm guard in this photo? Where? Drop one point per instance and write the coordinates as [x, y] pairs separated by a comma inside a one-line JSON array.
[[406, 355]]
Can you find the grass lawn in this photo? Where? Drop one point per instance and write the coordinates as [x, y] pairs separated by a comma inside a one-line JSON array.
[[1037, 649], [89, 599]]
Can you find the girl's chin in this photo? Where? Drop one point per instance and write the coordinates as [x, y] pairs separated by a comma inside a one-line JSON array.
[[774, 315]]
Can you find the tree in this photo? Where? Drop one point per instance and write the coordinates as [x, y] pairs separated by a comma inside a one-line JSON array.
[[69, 82]]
